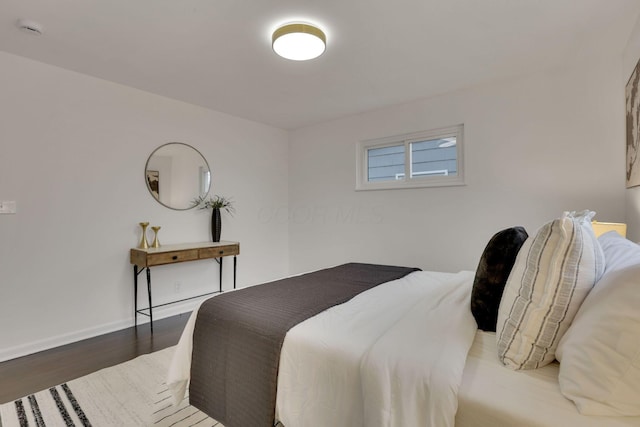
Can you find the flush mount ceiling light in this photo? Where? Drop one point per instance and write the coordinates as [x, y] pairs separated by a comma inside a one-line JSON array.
[[299, 41]]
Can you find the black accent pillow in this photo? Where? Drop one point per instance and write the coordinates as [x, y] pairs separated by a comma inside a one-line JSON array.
[[493, 271]]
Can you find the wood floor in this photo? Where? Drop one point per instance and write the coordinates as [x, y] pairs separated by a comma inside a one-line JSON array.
[[26, 375]]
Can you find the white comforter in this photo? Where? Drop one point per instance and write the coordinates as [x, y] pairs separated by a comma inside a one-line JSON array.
[[392, 356]]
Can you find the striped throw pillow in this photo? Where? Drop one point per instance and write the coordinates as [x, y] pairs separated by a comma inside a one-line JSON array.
[[553, 273]]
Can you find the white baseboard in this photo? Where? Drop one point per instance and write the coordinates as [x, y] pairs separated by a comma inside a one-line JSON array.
[[68, 338]]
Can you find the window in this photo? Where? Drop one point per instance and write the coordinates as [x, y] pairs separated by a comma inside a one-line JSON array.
[[424, 159]]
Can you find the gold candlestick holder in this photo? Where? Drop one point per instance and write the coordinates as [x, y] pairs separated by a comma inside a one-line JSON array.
[[143, 242], [156, 242]]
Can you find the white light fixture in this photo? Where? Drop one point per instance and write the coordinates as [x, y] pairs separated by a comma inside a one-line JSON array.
[[298, 41]]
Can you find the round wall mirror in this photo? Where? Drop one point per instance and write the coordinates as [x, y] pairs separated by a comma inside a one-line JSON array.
[[176, 174]]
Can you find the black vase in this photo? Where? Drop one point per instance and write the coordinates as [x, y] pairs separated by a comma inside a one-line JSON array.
[[216, 225]]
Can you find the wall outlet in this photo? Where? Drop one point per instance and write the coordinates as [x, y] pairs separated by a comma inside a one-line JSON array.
[[177, 286], [7, 207]]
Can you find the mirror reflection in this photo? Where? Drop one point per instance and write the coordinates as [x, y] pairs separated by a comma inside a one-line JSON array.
[[176, 174]]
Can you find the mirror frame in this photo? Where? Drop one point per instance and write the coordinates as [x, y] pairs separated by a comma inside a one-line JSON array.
[[146, 180]]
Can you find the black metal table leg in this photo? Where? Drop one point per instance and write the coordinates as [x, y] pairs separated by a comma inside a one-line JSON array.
[[135, 295], [220, 262], [235, 265], [150, 305]]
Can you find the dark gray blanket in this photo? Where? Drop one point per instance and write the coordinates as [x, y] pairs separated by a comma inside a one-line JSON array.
[[238, 337]]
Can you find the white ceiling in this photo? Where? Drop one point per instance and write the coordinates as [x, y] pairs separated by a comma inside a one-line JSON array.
[[217, 53]]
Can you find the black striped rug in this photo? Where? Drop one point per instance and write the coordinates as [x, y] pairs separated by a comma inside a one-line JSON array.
[[129, 394]]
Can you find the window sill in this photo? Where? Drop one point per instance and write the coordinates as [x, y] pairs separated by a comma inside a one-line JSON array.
[[416, 183]]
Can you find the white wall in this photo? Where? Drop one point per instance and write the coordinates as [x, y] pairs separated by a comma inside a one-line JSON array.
[[534, 146], [630, 59], [72, 154]]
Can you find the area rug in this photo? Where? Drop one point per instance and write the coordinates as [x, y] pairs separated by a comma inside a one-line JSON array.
[[130, 394]]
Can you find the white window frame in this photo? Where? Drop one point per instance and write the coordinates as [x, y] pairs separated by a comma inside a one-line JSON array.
[[423, 180]]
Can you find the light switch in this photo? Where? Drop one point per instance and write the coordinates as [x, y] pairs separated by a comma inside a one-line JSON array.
[[7, 207]]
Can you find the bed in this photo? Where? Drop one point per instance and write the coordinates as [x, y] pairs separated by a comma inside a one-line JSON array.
[[409, 352]]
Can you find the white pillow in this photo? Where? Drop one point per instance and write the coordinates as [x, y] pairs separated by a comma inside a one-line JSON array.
[[600, 353], [553, 273], [585, 218]]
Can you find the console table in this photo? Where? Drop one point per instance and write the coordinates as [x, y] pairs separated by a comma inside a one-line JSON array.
[[171, 254]]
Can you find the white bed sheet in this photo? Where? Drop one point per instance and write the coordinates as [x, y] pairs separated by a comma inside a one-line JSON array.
[[489, 393], [392, 356], [492, 395]]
